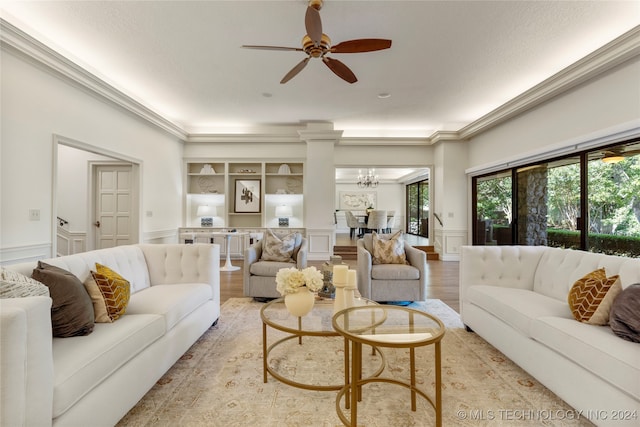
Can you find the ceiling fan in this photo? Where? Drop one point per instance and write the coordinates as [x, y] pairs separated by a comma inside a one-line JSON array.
[[316, 44]]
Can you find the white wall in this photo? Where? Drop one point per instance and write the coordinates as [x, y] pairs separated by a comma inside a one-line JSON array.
[[36, 105], [73, 170], [607, 102]]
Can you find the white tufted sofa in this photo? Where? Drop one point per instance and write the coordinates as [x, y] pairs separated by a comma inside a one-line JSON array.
[[94, 380], [515, 297]]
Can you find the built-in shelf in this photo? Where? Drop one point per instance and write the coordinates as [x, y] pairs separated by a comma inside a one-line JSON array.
[[214, 182]]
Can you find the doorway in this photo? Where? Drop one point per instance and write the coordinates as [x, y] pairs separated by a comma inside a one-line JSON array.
[[77, 196]]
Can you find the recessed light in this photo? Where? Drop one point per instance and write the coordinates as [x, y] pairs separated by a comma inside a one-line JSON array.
[[384, 95]]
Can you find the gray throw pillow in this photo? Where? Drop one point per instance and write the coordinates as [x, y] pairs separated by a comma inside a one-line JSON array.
[[278, 249], [72, 309], [624, 317]]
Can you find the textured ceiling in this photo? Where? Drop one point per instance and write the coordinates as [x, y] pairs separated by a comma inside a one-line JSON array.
[[451, 62]]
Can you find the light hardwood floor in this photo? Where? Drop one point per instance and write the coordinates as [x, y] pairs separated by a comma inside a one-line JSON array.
[[442, 280]]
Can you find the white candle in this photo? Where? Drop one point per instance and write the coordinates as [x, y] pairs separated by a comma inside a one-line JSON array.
[[351, 279], [340, 274]]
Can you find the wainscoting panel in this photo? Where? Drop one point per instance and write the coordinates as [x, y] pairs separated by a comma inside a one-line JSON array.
[[320, 244], [70, 242], [28, 253], [161, 236], [447, 243]]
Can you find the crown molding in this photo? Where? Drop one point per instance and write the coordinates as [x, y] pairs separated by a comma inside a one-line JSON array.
[[384, 140], [280, 138], [618, 51], [23, 43]]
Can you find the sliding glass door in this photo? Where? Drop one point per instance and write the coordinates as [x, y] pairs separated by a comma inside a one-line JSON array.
[[493, 209], [589, 201], [418, 208], [614, 203], [549, 203]]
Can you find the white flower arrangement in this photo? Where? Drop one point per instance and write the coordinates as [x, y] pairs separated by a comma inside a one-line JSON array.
[[290, 280]]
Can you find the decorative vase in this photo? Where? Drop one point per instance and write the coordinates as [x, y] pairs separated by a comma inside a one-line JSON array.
[[300, 303]]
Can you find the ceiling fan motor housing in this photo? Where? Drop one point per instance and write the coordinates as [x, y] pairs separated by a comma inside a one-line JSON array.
[[316, 51]]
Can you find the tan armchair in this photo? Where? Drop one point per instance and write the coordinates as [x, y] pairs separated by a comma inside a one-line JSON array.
[[391, 282], [259, 275]]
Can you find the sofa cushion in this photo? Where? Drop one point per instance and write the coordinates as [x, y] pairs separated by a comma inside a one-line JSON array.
[[267, 268], [559, 269], [72, 309], [394, 272], [624, 317], [388, 250], [16, 285], [173, 302], [591, 296], [516, 307], [276, 248], [595, 348], [81, 363]]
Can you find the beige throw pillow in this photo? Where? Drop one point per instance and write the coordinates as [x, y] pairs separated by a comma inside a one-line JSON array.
[[278, 249], [591, 297], [388, 250], [99, 306]]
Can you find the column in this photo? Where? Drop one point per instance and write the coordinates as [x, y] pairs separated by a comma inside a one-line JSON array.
[[319, 188]]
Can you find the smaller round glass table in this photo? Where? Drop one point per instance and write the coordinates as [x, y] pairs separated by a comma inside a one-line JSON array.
[[393, 327], [316, 368]]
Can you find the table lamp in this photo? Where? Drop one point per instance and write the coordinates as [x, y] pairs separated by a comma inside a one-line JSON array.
[[283, 212], [206, 214]]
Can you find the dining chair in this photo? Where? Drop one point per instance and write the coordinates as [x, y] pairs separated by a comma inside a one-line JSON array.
[[377, 221], [391, 221], [353, 224]]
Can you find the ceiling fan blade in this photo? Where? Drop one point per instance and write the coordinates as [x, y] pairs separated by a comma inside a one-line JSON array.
[[313, 24], [252, 46], [295, 70], [340, 69], [361, 45]]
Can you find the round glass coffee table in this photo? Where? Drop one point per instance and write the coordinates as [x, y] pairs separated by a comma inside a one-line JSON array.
[[393, 327], [311, 367]]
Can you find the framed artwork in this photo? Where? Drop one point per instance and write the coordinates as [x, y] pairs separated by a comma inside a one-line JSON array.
[[357, 200], [247, 197]]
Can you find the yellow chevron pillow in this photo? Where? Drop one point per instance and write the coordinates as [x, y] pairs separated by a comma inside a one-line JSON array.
[[591, 297], [109, 293]]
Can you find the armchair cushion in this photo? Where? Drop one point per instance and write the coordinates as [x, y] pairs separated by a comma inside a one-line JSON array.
[[388, 250], [394, 272], [267, 268], [279, 249]]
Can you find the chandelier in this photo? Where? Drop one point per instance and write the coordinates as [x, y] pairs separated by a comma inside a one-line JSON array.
[[370, 180]]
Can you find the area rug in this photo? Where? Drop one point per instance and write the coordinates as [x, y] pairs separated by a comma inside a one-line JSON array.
[[219, 382]]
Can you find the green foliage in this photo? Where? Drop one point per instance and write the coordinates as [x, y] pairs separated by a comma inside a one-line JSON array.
[[563, 187], [601, 243], [494, 200], [614, 197]]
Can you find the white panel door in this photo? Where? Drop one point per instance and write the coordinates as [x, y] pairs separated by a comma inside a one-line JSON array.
[[113, 205]]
